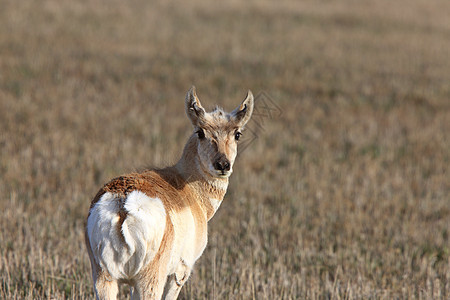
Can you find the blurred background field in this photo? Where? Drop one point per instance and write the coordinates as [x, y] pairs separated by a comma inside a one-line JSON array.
[[345, 195]]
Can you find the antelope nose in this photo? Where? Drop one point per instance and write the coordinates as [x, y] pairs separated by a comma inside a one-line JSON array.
[[222, 165]]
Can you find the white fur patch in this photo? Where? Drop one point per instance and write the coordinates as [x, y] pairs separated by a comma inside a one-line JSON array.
[[215, 203], [124, 253], [219, 184]]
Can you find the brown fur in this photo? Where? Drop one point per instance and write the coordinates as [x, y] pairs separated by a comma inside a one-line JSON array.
[[165, 184]]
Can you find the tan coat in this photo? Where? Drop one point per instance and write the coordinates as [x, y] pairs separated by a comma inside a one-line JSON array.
[[147, 229]]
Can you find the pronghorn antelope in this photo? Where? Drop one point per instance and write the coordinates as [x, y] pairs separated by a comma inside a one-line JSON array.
[[147, 229]]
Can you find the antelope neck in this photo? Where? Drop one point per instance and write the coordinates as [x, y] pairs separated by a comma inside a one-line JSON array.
[[210, 190]]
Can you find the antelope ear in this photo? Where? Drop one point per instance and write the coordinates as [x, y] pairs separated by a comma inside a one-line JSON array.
[[194, 109], [244, 111]]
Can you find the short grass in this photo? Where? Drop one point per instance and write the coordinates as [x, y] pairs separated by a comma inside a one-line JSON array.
[[345, 195]]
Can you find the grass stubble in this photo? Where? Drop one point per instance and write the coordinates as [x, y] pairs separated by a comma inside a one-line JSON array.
[[346, 195]]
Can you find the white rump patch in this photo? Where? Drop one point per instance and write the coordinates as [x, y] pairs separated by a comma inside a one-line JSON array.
[[124, 252]]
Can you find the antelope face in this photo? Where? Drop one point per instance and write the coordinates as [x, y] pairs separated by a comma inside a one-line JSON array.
[[217, 133]]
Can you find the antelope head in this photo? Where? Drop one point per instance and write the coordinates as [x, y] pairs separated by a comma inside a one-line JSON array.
[[217, 133]]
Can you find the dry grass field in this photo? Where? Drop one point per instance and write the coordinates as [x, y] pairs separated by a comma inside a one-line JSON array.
[[343, 196]]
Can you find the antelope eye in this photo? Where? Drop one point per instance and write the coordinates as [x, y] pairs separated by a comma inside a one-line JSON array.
[[201, 134], [237, 135]]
